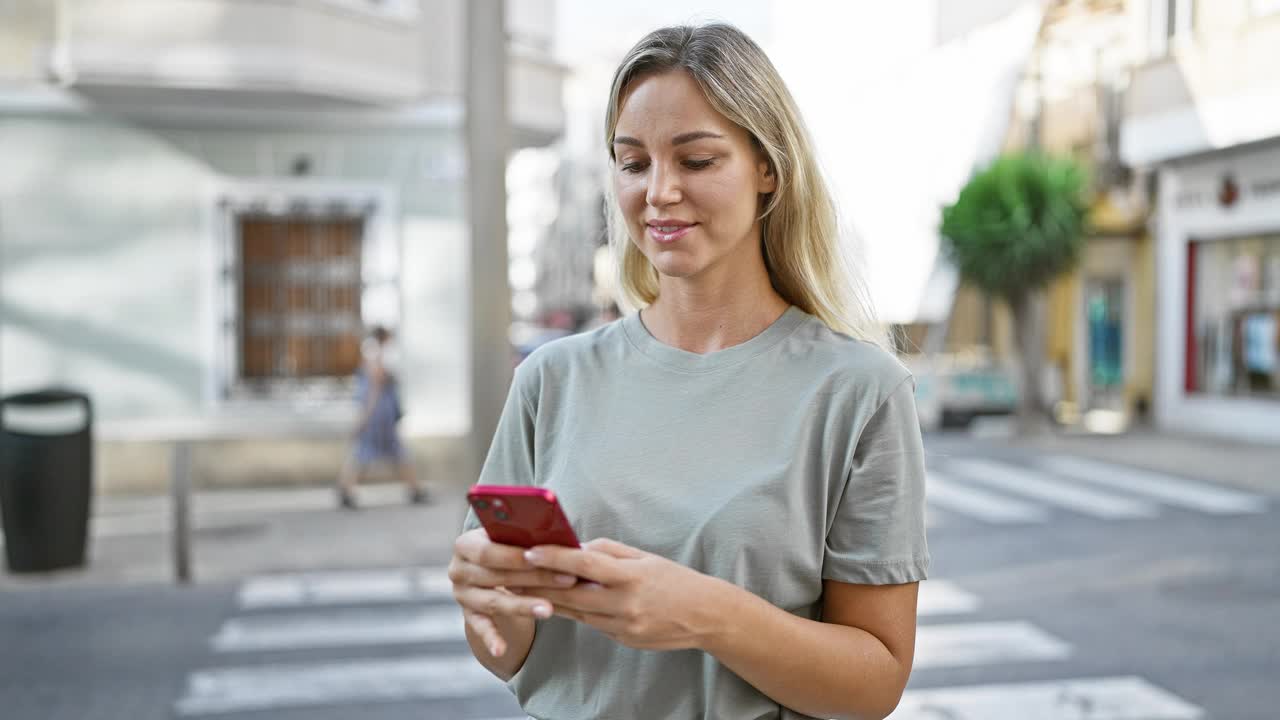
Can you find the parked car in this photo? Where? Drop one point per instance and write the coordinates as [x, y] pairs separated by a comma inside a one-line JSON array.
[[954, 388]]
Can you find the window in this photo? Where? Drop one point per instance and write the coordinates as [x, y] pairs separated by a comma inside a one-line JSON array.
[[300, 314], [1235, 317], [304, 269]]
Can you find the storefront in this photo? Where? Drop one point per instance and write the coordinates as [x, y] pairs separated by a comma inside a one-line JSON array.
[[1218, 366]]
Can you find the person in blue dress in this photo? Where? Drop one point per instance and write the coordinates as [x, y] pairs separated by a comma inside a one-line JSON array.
[[376, 436]]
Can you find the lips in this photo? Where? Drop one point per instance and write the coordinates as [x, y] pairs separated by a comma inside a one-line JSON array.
[[666, 231]]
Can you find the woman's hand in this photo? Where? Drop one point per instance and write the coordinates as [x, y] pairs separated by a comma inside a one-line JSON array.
[[483, 574], [636, 598]]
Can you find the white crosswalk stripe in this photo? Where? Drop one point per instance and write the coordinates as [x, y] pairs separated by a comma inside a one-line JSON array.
[[1109, 698], [939, 597], [984, 643], [340, 628], [981, 504], [1065, 494], [1159, 486], [348, 587], [310, 684]]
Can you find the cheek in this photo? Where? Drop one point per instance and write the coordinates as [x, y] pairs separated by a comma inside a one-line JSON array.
[[630, 192]]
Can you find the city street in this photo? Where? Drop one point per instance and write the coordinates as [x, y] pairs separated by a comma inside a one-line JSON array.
[[1131, 595]]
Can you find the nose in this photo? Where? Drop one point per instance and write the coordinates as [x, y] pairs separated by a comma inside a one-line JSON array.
[[664, 186]]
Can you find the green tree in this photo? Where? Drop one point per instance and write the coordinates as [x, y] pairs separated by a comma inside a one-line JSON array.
[[1016, 226]]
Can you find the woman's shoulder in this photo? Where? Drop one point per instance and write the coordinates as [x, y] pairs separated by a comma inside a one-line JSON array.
[[560, 354], [841, 357]]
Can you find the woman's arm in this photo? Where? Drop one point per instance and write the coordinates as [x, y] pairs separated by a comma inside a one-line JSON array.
[[853, 664]]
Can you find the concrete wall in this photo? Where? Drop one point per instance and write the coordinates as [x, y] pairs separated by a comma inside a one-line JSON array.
[[105, 230], [1214, 88]]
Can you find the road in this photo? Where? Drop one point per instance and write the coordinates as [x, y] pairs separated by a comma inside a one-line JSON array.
[[1062, 589]]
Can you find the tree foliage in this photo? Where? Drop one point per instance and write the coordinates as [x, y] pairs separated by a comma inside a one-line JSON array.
[[1017, 224]]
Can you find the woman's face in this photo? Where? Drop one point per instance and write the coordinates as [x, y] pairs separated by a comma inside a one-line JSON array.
[[688, 180]]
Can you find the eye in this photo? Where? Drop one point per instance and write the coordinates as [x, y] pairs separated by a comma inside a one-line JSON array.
[[635, 166], [699, 164]]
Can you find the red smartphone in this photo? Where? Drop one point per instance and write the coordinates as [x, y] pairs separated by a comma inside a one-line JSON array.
[[521, 515]]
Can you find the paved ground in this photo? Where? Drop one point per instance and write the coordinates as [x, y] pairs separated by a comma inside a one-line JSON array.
[[1149, 597]]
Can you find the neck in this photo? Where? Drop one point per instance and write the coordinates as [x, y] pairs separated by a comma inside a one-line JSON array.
[[706, 314]]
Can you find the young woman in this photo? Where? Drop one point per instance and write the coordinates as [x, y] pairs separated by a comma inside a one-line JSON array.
[[743, 453]]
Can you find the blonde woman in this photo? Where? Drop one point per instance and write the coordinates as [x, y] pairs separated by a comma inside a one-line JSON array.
[[742, 452]]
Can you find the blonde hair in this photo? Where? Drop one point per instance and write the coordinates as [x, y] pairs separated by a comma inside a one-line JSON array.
[[799, 235]]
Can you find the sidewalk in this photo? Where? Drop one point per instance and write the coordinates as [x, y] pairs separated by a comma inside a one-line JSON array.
[[1245, 465], [238, 533]]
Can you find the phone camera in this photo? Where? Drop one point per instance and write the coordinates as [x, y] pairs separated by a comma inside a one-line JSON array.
[[501, 515], [498, 503], [482, 504]]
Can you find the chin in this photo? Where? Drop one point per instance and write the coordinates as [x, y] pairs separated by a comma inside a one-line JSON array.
[[679, 267]]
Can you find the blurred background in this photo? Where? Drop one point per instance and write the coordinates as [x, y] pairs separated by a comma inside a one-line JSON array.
[[206, 205]]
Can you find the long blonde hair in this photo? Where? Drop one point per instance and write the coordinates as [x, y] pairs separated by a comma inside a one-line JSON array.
[[799, 235]]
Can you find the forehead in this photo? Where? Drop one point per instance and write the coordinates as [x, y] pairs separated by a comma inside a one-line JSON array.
[[668, 102]]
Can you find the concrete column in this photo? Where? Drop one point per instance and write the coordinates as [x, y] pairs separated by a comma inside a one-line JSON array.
[[488, 138]]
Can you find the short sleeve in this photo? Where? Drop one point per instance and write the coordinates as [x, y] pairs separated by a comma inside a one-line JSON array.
[[878, 533], [510, 460]]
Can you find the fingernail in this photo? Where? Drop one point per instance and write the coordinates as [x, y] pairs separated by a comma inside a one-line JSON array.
[[542, 611], [532, 556], [566, 579]]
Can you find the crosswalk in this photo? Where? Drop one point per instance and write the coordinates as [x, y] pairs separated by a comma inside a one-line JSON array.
[[313, 642], [300, 613], [986, 647], [997, 492], [371, 613]]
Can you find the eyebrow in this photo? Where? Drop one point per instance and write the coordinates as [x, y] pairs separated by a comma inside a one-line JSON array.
[[680, 139]]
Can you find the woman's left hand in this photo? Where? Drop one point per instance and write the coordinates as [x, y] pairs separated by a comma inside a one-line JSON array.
[[636, 598]]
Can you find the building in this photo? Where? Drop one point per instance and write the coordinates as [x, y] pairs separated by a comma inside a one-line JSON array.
[[1100, 317], [206, 204], [1203, 118]]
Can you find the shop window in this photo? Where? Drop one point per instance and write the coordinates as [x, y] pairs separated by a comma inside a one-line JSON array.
[[1235, 317]]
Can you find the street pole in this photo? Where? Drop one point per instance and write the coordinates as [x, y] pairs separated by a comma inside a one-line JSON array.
[[487, 137]]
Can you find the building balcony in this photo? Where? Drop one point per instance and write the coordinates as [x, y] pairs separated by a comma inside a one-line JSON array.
[[1212, 91], [227, 59], [288, 53]]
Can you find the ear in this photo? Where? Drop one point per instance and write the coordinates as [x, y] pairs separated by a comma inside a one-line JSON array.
[[766, 177]]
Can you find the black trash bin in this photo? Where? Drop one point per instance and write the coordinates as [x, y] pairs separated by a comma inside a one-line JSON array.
[[45, 486]]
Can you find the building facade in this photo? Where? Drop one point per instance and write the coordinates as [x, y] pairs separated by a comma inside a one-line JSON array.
[[1203, 117], [206, 204]]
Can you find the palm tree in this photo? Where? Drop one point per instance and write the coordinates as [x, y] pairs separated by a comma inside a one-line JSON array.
[[1016, 226]]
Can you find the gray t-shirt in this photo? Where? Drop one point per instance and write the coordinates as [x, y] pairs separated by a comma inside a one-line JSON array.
[[774, 464]]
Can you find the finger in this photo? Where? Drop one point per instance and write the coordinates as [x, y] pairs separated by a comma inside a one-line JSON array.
[[495, 602], [614, 548], [476, 548], [597, 621], [587, 564], [590, 599], [484, 628], [465, 573]]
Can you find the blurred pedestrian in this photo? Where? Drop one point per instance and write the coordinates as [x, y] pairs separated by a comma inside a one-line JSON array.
[[376, 436], [745, 443]]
